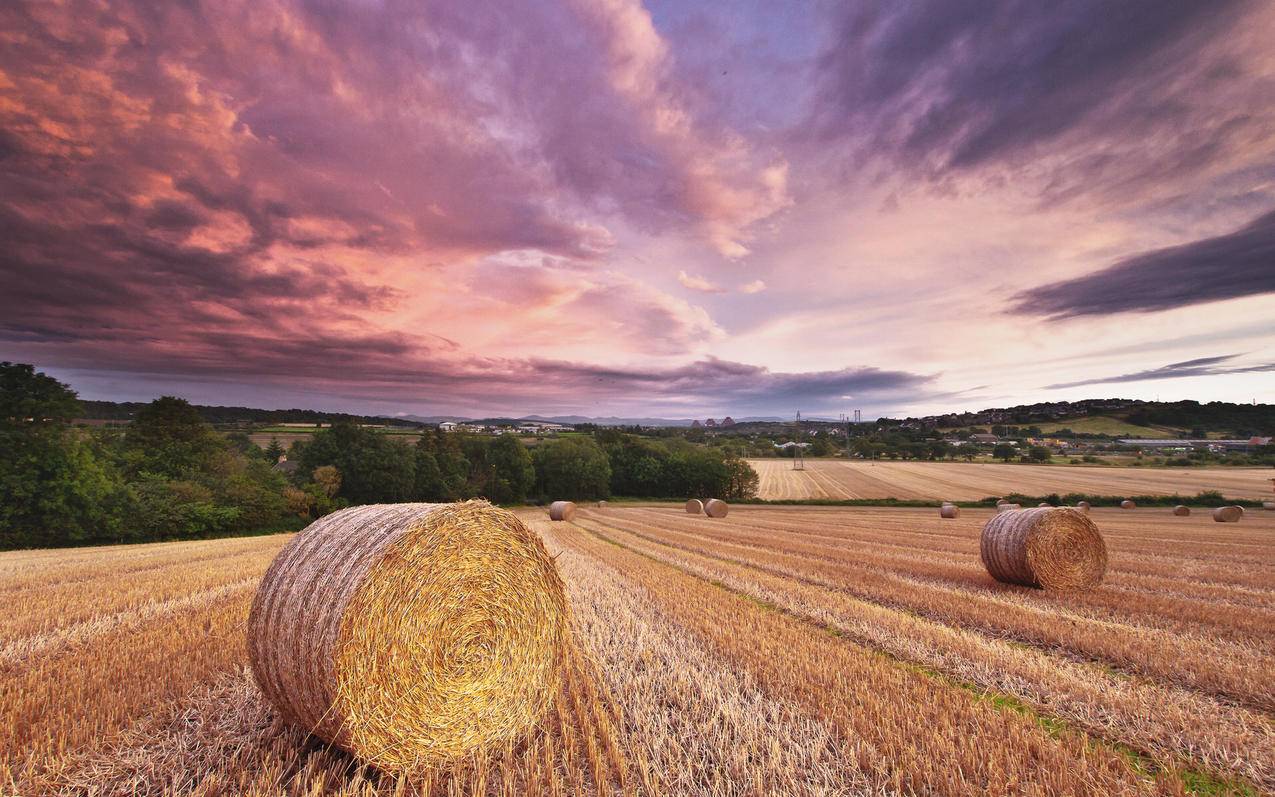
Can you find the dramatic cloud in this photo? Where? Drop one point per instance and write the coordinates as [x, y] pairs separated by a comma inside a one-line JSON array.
[[572, 205], [696, 283], [1238, 264], [1079, 96], [1202, 366]]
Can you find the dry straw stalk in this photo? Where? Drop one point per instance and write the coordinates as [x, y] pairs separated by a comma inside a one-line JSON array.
[[1052, 548], [714, 507], [562, 510], [1228, 514], [694, 507], [411, 634]]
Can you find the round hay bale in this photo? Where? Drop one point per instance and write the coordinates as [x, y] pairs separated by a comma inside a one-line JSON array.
[[1048, 548], [1007, 507], [1127, 504], [694, 507], [949, 511], [1083, 506], [1181, 511], [562, 510], [1043, 503], [1228, 514], [411, 634], [1268, 505], [603, 505], [1001, 502], [715, 508]]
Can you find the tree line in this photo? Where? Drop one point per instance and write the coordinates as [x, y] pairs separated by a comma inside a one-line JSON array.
[[169, 475]]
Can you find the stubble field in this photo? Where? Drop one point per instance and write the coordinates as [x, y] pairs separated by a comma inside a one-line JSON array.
[[966, 481], [781, 650]]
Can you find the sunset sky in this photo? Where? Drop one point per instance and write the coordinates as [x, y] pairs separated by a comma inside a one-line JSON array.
[[614, 207]]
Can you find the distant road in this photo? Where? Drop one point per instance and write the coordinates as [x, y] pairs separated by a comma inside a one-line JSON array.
[[963, 481]]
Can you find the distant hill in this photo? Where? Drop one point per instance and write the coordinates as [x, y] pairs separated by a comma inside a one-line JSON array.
[[1120, 418], [125, 410]]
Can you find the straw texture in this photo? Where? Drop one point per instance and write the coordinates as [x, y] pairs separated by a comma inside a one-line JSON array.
[[1228, 514], [1051, 548], [715, 508], [562, 510], [1181, 511], [949, 511], [411, 634], [1127, 504], [694, 507]]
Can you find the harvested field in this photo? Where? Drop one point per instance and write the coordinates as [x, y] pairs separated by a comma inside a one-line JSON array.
[[968, 481], [777, 651]]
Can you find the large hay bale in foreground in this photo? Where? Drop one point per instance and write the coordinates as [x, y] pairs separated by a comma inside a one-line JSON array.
[[562, 510], [1050, 548], [949, 511], [1127, 504], [1181, 511], [1228, 514], [694, 507], [411, 634], [715, 508]]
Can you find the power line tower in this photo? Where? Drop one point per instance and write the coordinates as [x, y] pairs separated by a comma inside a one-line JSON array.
[[798, 461]]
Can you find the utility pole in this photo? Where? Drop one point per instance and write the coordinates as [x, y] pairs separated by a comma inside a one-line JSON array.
[[798, 461]]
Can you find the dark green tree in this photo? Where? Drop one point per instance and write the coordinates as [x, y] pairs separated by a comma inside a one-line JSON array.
[[1004, 451], [374, 469], [574, 468], [53, 490], [170, 438], [274, 451], [510, 474]]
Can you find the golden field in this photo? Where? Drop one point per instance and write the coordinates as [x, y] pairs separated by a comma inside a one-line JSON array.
[[971, 481], [781, 650]]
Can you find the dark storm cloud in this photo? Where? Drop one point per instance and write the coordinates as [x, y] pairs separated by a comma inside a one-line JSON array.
[[1203, 366], [1241, 263], [1100, 89]]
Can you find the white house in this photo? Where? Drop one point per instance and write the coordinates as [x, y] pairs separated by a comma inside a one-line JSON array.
[[447, 426]]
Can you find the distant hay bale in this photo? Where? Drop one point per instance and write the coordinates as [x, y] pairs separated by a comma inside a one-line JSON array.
[[1181, 511], [562, 510], [1043, 503], [1001, 502], [603, 505], [1049, 548], [1007, 507], [1127, 504], [1083, 506], [1268, 505], [694, 507], [715, 508], [1228, 514], [411, 634], [949, 511]]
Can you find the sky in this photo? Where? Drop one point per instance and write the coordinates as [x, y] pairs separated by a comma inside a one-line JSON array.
[[610, 207]]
